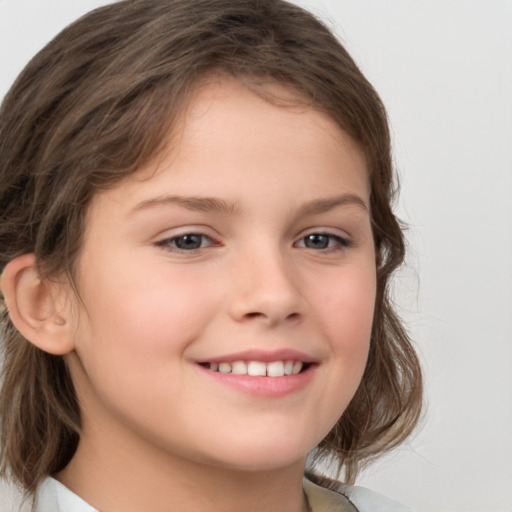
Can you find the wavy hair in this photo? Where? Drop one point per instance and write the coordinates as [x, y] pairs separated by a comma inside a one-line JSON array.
[[95, 105]]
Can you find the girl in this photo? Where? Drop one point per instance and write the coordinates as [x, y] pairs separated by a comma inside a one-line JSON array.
[[196, 241]]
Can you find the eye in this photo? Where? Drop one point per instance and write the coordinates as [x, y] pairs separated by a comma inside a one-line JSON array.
[[186, 242], [322, 241]]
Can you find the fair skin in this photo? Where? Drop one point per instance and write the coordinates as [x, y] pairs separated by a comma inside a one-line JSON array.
[[246, 247]]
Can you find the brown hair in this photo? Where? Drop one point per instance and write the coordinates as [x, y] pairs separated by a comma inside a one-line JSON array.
[[94, 106]]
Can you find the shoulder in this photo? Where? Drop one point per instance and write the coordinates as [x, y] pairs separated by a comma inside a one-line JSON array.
[[347, 498], [369, 501]]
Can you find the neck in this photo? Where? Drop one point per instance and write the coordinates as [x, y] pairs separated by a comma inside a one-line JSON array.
[[115, 474]]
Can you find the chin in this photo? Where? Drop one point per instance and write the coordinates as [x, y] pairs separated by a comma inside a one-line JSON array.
[[262, 456]]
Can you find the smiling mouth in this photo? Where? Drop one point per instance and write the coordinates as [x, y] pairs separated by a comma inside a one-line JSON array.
[[258, 368]]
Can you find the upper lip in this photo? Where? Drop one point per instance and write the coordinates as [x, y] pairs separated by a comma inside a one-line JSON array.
[[265, 356]]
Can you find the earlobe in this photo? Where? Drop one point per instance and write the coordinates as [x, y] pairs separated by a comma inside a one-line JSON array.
[[35, 306]]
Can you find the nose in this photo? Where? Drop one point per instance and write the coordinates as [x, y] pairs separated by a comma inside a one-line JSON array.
[[267, 290]]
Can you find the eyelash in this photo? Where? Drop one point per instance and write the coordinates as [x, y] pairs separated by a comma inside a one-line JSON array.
[[171, 243], [334, 242]]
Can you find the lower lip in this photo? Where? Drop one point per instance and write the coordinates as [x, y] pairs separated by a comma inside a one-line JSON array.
[[266, 387]]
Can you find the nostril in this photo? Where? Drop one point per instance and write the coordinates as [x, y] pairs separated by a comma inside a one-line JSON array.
[[254, 315], [291, 316]]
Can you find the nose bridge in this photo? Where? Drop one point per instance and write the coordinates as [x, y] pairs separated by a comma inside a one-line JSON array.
[[266, 286]]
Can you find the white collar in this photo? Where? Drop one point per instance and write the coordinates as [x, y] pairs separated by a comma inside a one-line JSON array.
[[52, 496]]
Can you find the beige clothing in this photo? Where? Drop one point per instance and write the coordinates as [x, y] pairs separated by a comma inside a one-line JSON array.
[[55, 497]]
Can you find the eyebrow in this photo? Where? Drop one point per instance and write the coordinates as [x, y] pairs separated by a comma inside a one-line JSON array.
[[201, 204], [324, 205], [216, 205]]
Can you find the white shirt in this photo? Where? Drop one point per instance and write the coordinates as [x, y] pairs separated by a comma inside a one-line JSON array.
[[55, 497]]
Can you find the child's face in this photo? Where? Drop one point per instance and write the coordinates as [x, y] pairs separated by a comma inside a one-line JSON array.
[[251, 242]]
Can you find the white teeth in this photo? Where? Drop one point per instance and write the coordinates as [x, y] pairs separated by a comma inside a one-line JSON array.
[[297, 367], [259, 368], [275, 369], [239, 368], [224, 368]]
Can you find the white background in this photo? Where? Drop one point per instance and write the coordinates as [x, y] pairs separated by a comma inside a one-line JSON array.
[[444, 70]]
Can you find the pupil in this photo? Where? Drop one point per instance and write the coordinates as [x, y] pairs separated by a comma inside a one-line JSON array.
[[317, 242], [189, 242]]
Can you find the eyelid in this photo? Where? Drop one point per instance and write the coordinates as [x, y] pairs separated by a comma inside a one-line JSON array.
[[165, 242], [162, 240], [344, 240], [185, 229], [323, 230]]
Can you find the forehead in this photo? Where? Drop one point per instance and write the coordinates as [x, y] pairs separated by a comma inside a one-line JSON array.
[[248, 115], [231, 140]]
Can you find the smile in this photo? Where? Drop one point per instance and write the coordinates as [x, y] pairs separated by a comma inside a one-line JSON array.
[[262, 373], [258, 368]]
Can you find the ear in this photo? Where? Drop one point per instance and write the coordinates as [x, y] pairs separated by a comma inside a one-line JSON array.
[[36, 306]]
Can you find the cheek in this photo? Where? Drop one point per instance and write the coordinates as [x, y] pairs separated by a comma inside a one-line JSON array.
[[133, 338], [153, 311], [348, 305], [347, 318]]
